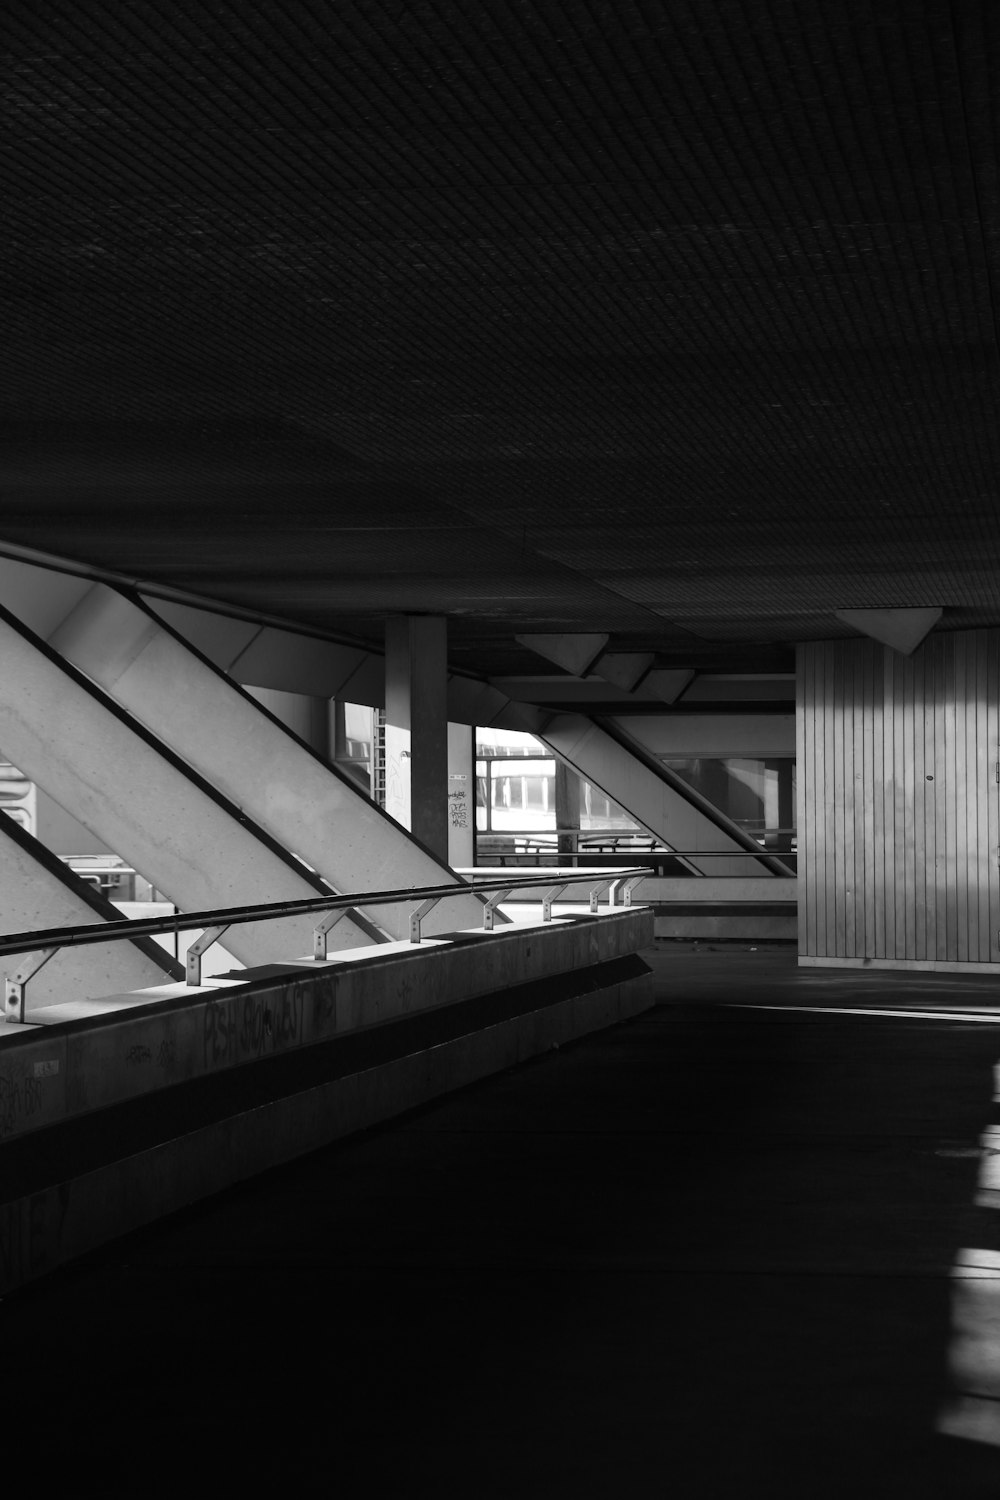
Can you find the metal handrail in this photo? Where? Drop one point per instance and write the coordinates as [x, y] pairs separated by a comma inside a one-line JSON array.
[[44, 943], [709, 853], [685, 854]]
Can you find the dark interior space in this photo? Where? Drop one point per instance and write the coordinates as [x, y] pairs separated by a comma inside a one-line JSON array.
[[704, 1253], [664, 325]]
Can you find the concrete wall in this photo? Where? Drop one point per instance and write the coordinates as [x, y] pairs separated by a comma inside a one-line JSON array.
[[167, 1103]]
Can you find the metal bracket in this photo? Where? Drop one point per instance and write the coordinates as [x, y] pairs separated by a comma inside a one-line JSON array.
[[596, 892], [417, 916], [489, 910], [322, 931], [548, 900], [200, 947], [15, 998], [625, 887]]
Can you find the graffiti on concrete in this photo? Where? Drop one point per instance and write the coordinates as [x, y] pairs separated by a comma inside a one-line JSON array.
[[458, 808], [20, 1099], [246, 1026]]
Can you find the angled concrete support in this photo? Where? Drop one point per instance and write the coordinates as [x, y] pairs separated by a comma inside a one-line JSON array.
[[251, 652], [624, 669], [142, 800], [660, 803], [37, 890], [666, 684], [575, 653], [228, 738]]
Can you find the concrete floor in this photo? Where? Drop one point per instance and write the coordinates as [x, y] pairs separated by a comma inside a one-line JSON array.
[[708, 1253]]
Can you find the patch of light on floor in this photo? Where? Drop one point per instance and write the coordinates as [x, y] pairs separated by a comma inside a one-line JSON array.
[[974, 1418], [977, 1264], [988, 1194], [972, 1412]]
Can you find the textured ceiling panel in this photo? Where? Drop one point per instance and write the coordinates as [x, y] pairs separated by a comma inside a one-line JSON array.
[[672, 320]]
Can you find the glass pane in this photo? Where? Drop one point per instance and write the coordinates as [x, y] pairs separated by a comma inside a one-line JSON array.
[[757, 794], [507, 742], [357, 731], [482, 798], [606, 828], [521, 795]]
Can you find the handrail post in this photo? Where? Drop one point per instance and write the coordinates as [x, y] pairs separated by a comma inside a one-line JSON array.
[[623, 884], [602, 885], [38, 947], [547, 901], [417, 916], [322, 932], [15, 996], [489, 910], [198, 948]]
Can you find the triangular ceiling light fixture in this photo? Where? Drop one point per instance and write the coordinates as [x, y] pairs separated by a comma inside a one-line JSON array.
[[902, 629]]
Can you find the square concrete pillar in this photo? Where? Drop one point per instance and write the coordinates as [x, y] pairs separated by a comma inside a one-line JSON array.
[[461, 796], [416, 677]]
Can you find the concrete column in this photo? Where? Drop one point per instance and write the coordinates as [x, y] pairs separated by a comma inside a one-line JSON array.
[[416, 699], [461, 796], [567, 796]]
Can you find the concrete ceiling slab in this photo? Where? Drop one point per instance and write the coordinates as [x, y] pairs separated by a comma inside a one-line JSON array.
[[556, 327]]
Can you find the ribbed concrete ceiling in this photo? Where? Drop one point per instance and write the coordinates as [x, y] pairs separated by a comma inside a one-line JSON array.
[[672, 320]]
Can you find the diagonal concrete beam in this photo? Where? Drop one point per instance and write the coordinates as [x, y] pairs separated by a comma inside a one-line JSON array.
[[38, 890], [141, 799], [297, 798], [252, 652], [656, 798]]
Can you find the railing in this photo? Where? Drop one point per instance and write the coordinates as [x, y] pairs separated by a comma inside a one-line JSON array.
[[44, 944], [534, 850], [111, 877]]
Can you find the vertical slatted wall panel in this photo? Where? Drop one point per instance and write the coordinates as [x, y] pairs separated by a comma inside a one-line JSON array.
[[991, 655], [933, 757], [914, 736], [868, 803], [861, 677], [898, 802], [805, 773]]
